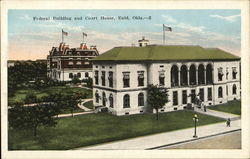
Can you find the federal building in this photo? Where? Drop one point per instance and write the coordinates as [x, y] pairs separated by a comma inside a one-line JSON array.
[[64, 63], [122, 74]]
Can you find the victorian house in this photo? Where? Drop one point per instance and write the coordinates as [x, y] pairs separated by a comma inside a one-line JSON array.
[[64, 63]]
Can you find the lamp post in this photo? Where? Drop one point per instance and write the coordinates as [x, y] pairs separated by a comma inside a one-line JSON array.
[[195, 119]]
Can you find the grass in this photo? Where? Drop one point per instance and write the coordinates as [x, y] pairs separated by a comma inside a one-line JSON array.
[[92, 129], [89, 104], [233, 107], [21, 93]]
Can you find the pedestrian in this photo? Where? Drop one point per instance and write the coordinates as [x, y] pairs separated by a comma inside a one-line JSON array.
[[228, 122]]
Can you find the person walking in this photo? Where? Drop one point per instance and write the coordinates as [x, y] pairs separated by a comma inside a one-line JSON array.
[[228, 122], [205, 108]]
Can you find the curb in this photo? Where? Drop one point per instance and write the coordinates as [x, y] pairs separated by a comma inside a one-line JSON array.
[[186, 141]]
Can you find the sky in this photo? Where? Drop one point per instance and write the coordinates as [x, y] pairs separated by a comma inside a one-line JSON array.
[[30, 39]]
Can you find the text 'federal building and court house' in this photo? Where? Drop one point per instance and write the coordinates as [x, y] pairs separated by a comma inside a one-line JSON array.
[[122, 74], [65, 63]]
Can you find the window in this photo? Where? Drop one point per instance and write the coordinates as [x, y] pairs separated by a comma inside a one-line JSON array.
[[71, 63], [86, 63], [162, 78], [86, 74], [111, 101], [96, 77], [220, 94], [126, 101], [96, 97], [103, 78], [70, 75], [140, 99], [104, 99], [202, 94], [220, 74], [209, 94], [78, 63], [227, 74], [161, 66], [175, 98], [234, 89], [227, 90], [140, 78], [193, 95], [184, 97], [79, 75], [125, 79], [234, 72], [110, 78]]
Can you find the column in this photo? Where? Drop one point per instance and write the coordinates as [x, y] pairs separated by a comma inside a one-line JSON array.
[[205, 76], [188, 77], [179, 77], [196, 79]]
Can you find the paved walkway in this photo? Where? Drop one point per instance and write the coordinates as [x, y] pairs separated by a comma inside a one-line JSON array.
[[218, 114], [75, 114], [81, 105], [168, 138]]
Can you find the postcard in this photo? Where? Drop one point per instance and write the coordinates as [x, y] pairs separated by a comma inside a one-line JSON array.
[[116, 79]]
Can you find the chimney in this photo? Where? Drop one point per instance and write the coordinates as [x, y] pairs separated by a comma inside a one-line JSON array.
[[61, 45], [143, 42]]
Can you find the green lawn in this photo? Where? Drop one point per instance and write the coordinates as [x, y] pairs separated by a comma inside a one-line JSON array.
[[21, 93], [89, 104], [92, 129], [233, 107]]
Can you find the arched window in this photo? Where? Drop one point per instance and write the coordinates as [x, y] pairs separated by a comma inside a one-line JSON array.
[[79, 75], [111, 101], [104, 99], [174, 76], [209, 77], [126, 101], [201, 78], [70, 75], [140, 99], [234, 89], [96, 97], [192, 75], [86, 74], [220, 93], [183, 77]]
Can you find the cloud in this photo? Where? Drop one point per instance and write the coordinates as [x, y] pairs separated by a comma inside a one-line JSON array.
[[230, 19], [169, 19]]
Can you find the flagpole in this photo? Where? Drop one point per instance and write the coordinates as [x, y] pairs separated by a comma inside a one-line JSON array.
[[163, 34], [62, 36]]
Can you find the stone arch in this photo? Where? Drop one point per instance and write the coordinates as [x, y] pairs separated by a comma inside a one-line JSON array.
[[201, 77], [174, 76], [209, 74], [184, 75], [192, 75]]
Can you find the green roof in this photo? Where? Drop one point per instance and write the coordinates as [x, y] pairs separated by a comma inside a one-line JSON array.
[[166, 52]]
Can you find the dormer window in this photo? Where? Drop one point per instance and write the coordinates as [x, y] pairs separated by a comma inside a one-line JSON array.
[[78, 62], [71, 63]]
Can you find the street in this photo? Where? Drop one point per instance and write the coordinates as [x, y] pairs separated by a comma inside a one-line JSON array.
[[226, 141]]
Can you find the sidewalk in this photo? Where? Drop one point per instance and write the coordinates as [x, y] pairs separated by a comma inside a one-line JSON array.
[[75, 114], [81, 105], [218, 114], [168, 138]]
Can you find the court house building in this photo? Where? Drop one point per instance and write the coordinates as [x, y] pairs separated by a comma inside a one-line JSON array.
[[122, 74]]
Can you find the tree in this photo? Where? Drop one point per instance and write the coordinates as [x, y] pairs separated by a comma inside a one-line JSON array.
[[157, 97], [76, 80], [31, 117], [72, 101], [30, 98], [89, 82]]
